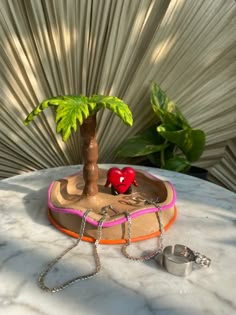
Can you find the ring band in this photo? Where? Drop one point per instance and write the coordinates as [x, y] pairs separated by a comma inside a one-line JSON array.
[[179, 260]]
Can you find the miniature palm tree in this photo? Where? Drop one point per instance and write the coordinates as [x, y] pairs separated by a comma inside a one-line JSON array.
[[71, 110]]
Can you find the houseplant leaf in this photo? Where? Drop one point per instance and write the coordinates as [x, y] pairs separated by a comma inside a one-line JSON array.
[[190, 141], [198, 140], [182, 119], [159, 99], [165, 109], [178, 164], [173, 134], [142, 144], [159, 158], [138, 146]]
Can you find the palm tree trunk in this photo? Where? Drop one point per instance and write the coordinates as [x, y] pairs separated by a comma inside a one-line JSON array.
[[90, 156]]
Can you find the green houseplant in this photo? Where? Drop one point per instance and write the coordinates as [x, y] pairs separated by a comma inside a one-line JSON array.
[[72, 110], [170, 143]]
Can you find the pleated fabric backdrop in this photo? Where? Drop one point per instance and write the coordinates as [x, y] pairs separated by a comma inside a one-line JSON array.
[[116, 47]]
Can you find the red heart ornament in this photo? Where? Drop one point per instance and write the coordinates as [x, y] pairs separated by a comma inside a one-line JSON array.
[[121, 179]]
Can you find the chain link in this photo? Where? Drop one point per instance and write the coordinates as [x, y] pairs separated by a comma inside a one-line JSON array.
[[160, 239], [201, 259], [96, 257]]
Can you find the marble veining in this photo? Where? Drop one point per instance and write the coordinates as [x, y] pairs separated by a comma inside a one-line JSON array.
[[206, 222]]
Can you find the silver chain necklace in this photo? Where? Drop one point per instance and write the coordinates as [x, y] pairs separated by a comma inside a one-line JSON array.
[[96, 257], [41, 279], [160, 239], [170, 265]]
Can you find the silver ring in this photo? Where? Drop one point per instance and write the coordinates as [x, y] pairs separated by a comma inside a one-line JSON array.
[[178, 260]]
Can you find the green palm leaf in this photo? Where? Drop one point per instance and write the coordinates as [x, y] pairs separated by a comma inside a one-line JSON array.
[[114, 104], [54, 101], [71, 110]]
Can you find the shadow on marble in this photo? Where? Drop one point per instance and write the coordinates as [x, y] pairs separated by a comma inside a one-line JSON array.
[[101, 295], [34, 201]]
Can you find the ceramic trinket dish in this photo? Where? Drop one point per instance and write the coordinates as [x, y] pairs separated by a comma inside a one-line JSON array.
[[69, 198], [66, 209]]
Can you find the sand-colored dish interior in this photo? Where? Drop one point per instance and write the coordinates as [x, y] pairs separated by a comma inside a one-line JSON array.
[[66, 194]]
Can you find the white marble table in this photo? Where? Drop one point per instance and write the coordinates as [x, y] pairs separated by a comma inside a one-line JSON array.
[[206, 222]]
